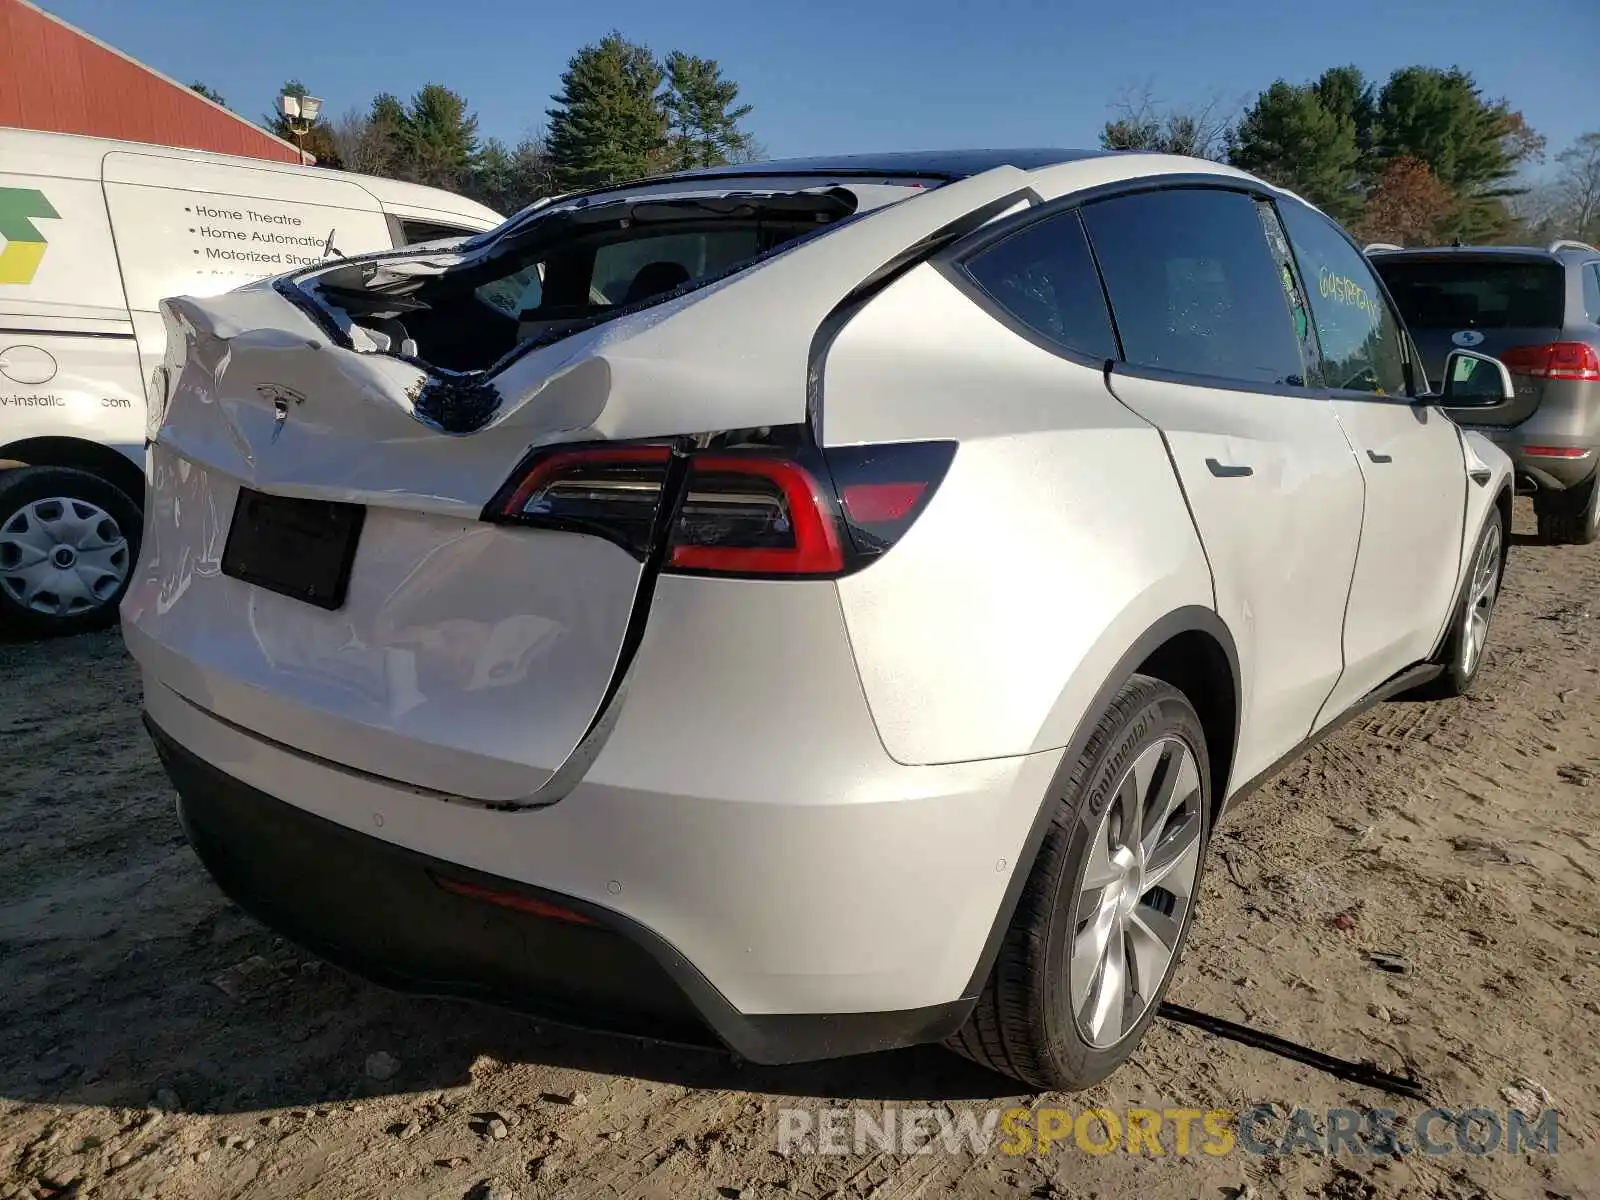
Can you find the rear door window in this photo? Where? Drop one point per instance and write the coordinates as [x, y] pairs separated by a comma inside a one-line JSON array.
[[1193, 286], [1043, 277], [1476, 293], [1363, 348], [1591, 292]]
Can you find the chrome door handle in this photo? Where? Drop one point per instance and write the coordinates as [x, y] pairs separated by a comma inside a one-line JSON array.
[[1379, 458], [1227, 470]]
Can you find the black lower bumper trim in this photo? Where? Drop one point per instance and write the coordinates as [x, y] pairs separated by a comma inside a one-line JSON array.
[[377, 910]]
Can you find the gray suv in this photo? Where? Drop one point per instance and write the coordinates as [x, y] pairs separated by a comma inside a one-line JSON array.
[[1538, 311]]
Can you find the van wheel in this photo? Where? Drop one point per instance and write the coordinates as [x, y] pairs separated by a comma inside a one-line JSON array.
[[68, 544], [1105, 913]]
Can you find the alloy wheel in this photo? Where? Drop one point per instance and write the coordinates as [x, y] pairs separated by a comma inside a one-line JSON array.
[[1137, 889], [1482, 592]]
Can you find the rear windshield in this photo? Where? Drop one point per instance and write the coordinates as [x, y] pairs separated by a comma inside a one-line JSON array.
[[1476, 294]]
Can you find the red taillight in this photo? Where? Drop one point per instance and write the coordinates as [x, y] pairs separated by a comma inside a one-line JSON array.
[[610, 491], [512, 900], [1554, 360], [755, 515], [1556, 451], [754, 510]]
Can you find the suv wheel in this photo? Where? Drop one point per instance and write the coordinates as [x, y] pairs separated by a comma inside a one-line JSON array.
[[1104, 916], [1578, 526], [68, 542], [1464, 645]]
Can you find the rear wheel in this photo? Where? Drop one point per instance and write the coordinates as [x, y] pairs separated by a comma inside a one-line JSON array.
[[68, 542], [1105, 914], [1576, 525]]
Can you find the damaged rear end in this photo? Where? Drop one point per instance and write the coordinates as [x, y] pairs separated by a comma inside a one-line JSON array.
[[407, 512]]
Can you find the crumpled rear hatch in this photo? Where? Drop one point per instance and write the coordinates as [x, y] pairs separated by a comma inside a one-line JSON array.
[[316, 568]]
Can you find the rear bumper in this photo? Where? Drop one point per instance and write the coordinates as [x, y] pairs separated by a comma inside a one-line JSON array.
[[400, 919], [1573, 425]]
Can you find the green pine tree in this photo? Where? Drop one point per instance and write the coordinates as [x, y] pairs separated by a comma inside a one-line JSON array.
[[437, 138], [1473, 145], [210, 94], [1293, 138], [608, 123], [702, 120]]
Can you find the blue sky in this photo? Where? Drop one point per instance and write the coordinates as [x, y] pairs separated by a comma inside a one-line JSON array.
[[831, 76]]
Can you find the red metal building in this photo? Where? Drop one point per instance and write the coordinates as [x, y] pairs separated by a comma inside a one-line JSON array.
[[57, 78]]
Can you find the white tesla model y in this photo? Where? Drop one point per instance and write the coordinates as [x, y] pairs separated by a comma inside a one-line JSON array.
[[816, 607]]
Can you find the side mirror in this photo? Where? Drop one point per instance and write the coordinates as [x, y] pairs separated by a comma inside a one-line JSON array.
[[1473, 380]]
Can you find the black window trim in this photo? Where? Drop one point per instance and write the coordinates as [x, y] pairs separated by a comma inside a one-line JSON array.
[[1411, 363], [952, 265]]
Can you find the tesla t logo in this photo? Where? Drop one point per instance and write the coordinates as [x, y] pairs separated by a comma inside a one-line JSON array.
[[1467, 337], [24, 243], [281, 397]]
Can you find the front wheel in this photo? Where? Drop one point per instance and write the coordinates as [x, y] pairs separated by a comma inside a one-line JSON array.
[[1462, 655], [1105, 913], [68, 543]]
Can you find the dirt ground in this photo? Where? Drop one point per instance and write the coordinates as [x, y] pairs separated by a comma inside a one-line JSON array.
[[156, 1042]]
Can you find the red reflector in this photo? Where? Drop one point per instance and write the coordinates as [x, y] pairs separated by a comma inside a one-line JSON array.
[[522, 904], [1554, 360], [873, 503], [1555, 451]]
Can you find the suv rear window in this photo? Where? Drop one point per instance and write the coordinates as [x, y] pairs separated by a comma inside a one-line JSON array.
[[1476, 293]]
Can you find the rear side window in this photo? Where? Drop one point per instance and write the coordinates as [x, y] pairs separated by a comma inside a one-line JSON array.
[[1193, 286], [1363, 349], [1044, 277], [1591, 292], [1469, 293]]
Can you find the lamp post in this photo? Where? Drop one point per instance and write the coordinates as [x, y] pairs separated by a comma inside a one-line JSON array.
[[300, 113]]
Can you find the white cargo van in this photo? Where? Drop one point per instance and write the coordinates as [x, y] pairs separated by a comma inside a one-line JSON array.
[[93, 234]]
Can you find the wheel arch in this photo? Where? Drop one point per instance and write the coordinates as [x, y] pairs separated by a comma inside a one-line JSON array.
[[81, 454], [1190, 648]]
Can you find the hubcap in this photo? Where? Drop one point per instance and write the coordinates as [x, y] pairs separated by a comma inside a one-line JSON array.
[[1137, 889], [1481, 595], [62, 556]]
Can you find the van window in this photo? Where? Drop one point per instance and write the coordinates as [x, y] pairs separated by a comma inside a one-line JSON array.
[[1193, 286], [413, 232]]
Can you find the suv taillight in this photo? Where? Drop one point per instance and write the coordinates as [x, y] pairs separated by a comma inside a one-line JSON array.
[[1554, 360], [744, 511]]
